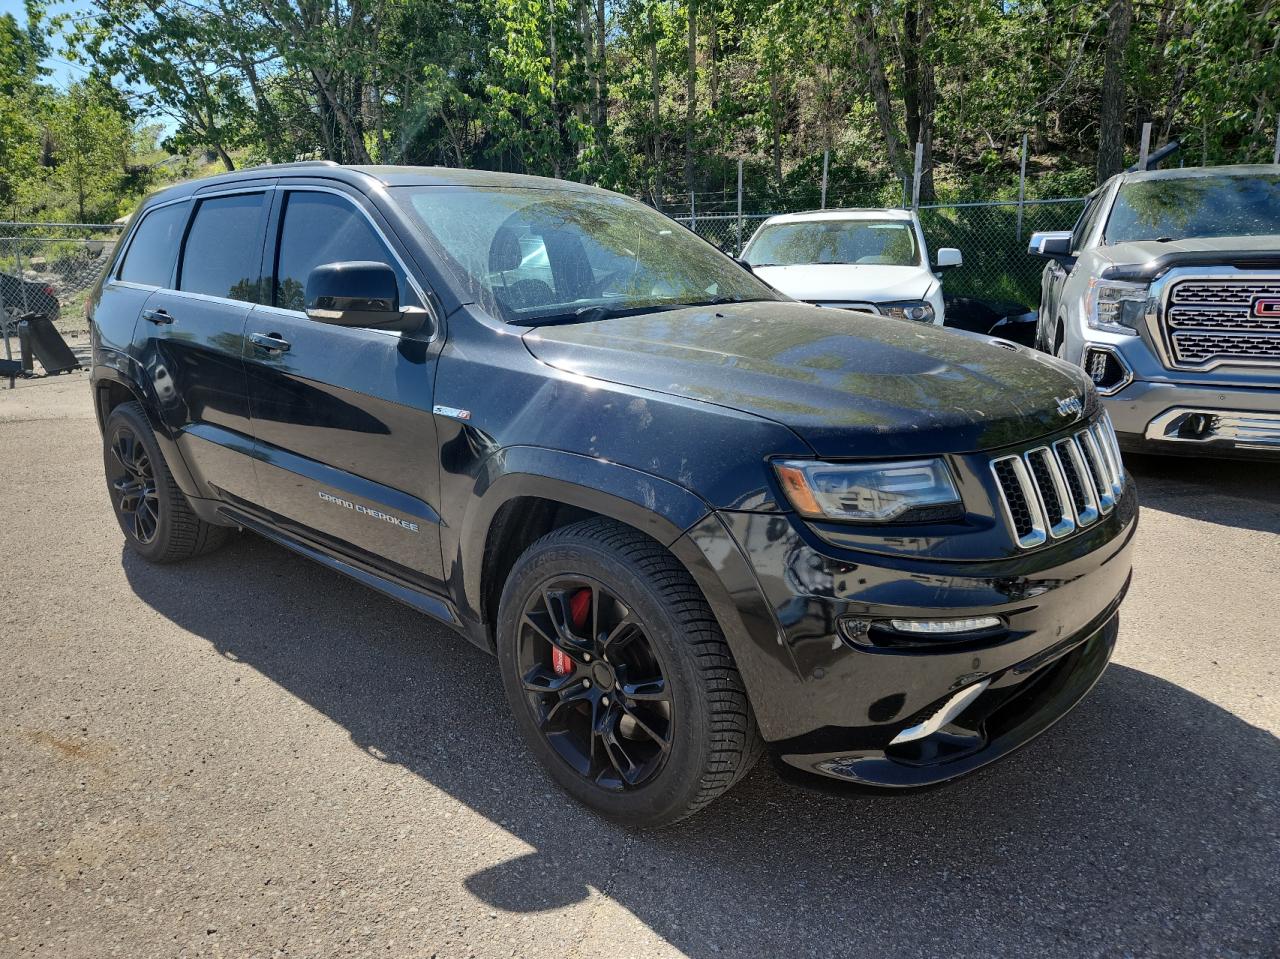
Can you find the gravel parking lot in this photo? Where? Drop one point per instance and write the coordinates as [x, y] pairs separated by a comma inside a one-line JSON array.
[[250, 755]]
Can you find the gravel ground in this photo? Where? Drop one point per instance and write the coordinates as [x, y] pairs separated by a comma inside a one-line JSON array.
[[248, 755]]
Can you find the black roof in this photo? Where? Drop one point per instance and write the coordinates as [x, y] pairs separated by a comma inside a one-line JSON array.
[[364, 176]]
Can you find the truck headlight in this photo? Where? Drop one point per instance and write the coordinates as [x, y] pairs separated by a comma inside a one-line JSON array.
[[920, 311], [870, 492], [1116, 306]]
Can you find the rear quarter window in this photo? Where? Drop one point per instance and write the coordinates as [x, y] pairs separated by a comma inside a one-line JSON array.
[[154, 248]]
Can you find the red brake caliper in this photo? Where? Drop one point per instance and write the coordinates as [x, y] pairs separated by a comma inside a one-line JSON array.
[[579, 608]]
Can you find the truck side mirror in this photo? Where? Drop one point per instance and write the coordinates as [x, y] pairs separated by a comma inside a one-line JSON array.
[[1053, 245], [949, 258], [360, 293]]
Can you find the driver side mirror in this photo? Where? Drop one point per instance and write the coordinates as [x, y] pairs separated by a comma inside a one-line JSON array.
[[359, 293], [949, 258], [744, 264], [1053, 245]]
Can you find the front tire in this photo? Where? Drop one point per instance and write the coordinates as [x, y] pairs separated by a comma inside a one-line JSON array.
[[154, 515], [619, 677]]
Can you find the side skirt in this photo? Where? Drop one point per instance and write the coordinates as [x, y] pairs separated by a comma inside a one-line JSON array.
[[438, 609]]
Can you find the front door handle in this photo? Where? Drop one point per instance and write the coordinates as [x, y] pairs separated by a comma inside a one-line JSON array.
[[271, 342], [159, 317]]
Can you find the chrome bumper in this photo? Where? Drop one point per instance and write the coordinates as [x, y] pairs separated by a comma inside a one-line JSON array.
[[1243, 430]]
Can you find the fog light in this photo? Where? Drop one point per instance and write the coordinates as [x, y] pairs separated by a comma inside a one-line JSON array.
[[1109, 372], [934, 627], [1198, 426]]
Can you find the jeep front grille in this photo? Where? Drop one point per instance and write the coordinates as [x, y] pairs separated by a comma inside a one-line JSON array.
[[1050, 491], [1207, 321]]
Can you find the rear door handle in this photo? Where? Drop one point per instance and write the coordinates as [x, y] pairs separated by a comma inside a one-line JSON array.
[[158, 317], [271, 342]]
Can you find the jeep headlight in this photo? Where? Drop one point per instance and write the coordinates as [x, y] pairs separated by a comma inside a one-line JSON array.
[[1116, 306], [870, 492]]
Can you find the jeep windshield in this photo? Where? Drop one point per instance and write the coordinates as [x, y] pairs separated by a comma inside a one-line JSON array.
[[861, 241], [1181, 207], [534, 256]]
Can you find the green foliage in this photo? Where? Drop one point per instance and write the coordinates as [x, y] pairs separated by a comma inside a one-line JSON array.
[[525, 86]]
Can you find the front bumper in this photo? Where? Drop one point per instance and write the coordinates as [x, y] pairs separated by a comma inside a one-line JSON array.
[[830, 697], [1017, 705], [1177, 418]]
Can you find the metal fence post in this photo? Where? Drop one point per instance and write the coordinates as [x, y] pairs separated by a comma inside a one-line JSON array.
[[825, 155], [4, 328], [1275, 157], [1022, 185], [17, 268], [1145, 149], [915, 179], [739, 250], [693, 214]]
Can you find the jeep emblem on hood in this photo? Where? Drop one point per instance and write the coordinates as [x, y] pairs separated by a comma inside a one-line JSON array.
[[1070, 405]]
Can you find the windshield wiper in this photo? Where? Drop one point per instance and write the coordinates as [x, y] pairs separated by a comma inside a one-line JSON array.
[[718, 300], [589, 314]]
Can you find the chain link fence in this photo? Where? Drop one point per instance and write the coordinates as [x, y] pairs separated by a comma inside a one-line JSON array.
[[992, 236], [49, 268]]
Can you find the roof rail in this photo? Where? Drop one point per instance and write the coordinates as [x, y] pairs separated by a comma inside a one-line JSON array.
[[295, 163]]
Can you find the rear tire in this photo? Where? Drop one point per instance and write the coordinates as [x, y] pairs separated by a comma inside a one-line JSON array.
[[154, 515], [643, 662]]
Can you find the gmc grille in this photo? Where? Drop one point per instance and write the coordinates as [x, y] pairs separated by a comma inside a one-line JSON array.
[[1212, 320], [1051, 491]]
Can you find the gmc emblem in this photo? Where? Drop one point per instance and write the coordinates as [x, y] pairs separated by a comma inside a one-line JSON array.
[[1268, 306]]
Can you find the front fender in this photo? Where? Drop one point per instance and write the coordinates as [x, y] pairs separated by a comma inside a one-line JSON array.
[[655, 506]]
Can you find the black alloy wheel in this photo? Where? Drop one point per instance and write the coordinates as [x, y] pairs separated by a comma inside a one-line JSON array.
[[132, 481], [156, 518], [620, 680], [595, 683]]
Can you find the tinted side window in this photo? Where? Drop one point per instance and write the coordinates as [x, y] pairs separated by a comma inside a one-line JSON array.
[[154, 248], [223, 250], [1088, 216], [324, 228]]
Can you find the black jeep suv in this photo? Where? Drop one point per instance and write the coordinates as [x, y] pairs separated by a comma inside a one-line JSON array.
[[690, 516]]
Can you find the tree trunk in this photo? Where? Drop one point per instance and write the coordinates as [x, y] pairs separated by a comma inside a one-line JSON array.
[[690, 92], [775, 122], [1111, 116], [713, 26], [356, 151], [229, 163], [657, 115], [911, 71], [919, 93], [927, 98], [879, 85], [602, 75], [555, 104]]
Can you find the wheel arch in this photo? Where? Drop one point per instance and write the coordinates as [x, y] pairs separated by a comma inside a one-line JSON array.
[[528, 491], [113, 387]]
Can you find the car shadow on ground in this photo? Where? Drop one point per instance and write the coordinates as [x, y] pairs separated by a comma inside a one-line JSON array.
[[1144, 823], [1241, 493]]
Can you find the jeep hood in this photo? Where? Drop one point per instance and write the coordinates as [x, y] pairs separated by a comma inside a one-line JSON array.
[[849, 384], [833, 282]]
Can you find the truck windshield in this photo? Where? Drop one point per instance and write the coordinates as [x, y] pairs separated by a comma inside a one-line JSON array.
[[1179, 208], [533, 255], [878, 242]]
